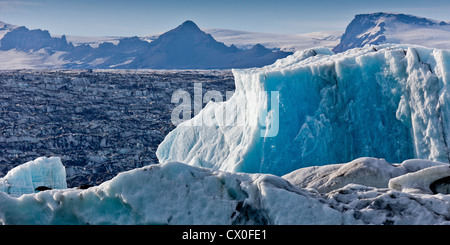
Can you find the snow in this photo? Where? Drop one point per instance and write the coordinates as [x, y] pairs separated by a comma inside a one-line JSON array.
[[123, 63], [93, 41], [387, 101], [5, 28], [41, 59], [285, 42], [379, 28], [43, 171], [430, 36]]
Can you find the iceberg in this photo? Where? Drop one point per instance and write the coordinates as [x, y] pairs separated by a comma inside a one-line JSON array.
[[25, 178], [412, 176], [317, 108], [362, 171], [430, 180], [174, 193]]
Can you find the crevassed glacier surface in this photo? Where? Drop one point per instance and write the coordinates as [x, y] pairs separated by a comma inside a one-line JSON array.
[[388, 101]]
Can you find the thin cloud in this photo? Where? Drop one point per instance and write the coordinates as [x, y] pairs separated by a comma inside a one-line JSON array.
[[17, 5]]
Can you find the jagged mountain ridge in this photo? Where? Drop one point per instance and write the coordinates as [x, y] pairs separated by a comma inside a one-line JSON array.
[[185, 47], [24, 39], [5, 28], [189, 47]]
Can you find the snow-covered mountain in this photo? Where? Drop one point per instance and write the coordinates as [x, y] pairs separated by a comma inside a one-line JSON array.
[[21, 48], [5, 28], [185, 47], [189, 47], [284, 42], [377, 28], [23, 39]]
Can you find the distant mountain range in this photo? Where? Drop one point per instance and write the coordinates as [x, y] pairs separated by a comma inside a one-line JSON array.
[[189, 47], [185, 47], [378, 28], [283, 42]]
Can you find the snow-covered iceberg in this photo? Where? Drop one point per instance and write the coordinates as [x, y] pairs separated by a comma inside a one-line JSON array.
[[430, 180], [317, 108], [172, 193], [25, 178], [176, 193], [413, 176]]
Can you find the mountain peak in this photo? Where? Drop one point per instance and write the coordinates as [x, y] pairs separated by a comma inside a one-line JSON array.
[[188, 33], [4, 26], [188, 25], [381, 27]]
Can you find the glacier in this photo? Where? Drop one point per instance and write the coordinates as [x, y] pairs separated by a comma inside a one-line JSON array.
[[386, 101], [25, 178], [358, 137]]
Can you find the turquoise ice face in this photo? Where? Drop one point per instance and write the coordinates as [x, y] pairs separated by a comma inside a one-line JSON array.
[[387, 101]]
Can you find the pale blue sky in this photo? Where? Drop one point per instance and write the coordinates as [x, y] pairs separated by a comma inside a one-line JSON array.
[[139, 17]]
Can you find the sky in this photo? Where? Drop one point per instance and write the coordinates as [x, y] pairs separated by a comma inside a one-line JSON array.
[[145, 17]]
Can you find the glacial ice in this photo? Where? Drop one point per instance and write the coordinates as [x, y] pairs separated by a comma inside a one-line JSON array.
[[179, 194], [413, 175], [25, 178], [384, 101], [387, 101], [422, 181], [172, 193], [363, 171]]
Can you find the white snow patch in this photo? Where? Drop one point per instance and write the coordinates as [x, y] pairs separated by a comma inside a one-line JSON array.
[[123, 63], [431, 36], [41, 59]]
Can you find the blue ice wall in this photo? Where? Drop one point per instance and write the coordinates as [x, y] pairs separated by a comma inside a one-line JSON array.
[[317, 108]]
